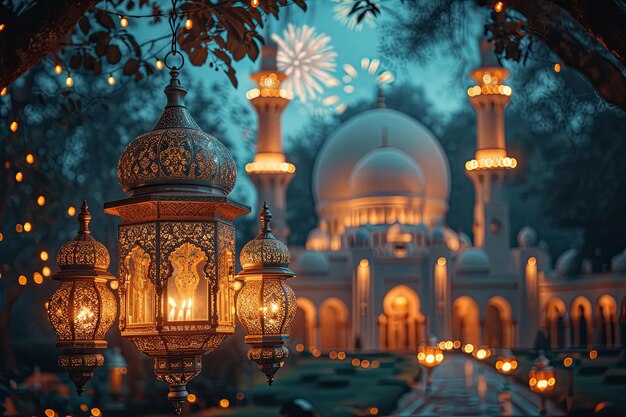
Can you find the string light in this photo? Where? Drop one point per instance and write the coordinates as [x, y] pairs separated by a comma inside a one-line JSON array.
[[58, 69], [69, 81], [41, 200], [3, 92], [159, 64], [43, 255], [19, 228], [71, 210], [111, 80], [38, 278], [123, 21], [46, 271], [28, 227], [13, 126], [30, 159], [254, 3], [1, 27], [22, 280], [499, 6], [557, 67], [188, 24], [19, 177]]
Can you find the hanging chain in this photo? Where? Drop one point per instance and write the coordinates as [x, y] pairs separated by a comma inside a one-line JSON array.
[[174, 23]]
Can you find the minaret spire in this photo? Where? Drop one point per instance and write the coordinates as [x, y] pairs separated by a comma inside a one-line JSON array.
[[380, 100]]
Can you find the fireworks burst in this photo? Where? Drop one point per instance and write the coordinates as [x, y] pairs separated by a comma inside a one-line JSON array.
[[368, 67], [344, 8], [307, 59]]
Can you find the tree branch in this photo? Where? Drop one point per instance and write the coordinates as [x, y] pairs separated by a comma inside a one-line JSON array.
[[29, 37]]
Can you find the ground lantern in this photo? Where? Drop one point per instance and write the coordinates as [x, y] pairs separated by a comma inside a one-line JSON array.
[[542, 379], [429, 356]]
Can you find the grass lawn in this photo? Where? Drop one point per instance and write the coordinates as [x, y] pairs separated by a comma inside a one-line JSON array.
[[335, 388]]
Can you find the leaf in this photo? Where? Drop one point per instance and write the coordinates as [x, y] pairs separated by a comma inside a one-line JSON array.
[[131, 66], [232, 76], [113, 54], [84, 25], [198, 55], [75, 62], [105, 19]]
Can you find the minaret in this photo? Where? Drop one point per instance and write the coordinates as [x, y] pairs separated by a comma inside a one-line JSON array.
[[269, 171], [491, 163]]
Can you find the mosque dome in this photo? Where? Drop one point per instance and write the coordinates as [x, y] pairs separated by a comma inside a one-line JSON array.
[[464, 241], [312, 263], [399, 233], [473, 261], [527, 237], [386, 171], [176, 153], [317, 240], [618, 263], [569, 263], [362, 135]]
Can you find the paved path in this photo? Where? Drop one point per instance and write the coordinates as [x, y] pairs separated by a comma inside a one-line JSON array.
[[464, 387]]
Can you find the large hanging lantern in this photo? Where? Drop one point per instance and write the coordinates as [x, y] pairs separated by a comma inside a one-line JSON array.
[[176, 243], [82, 308], [266, 305]]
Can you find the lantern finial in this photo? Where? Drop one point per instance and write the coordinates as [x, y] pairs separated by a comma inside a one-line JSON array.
[[266, 218], [83, 219]]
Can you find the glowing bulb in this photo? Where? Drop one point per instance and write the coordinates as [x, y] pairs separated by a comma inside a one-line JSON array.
[[159, 64], [254, 3], [19, 228], [38, 278], [188, 24], [567, 362], [123, 23], [22, 280], [46, 271], [69, 81], [58, 69], [71, 210], [114, 284], [28, 227], [111, 80], [192, 398], [41, 200], [506, 366], [441, 261], [557, 67], [3, 92], [19, 177], [2, 25], [43, 255], [364, 263], [532, 261], [224, 403], [498, 6], [13, 126], [30, 159]]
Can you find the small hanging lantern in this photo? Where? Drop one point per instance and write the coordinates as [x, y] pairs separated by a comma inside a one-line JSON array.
[[266, 305], [83, 308]]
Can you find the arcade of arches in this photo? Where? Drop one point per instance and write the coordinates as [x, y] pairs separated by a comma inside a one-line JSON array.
[[402, 326]]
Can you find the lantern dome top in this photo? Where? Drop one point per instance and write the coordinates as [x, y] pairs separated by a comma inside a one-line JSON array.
[[265, 252], [176, 155], [83, 252]]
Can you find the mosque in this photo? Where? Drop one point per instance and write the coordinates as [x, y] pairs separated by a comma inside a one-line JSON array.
[[381, 270]]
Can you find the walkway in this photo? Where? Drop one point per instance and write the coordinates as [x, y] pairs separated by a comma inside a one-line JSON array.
[[464, 387]]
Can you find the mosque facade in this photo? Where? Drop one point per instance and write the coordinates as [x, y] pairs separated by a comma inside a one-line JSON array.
[[381, 270]]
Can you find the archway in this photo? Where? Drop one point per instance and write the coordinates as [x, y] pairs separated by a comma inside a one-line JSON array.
[[333, 324], [554, 322], [606, 314], [581, 321], [403, 325], [466, 320], [302, 328], [498, 323]]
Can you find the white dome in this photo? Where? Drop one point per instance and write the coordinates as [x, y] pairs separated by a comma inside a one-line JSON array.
[[362, 134], [473, 261], [618, 263], [312, 263], [569, 263], [386, 171], [527, 237]]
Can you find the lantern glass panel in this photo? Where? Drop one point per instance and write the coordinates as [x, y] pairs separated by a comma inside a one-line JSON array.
[[140, 289], [188, 287]]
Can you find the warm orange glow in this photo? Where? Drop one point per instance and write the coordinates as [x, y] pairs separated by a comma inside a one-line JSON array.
[[489, 89], [38, 278], [491, 163], [43, 255], [557, 67], [123, 23], [364, 263], [449, 345], [46, 271], [96, 412], [84, 408], [188, 24], [30, 158], [224, 403], [19, 177], [13, 126], [270, 167], [469, 348], [192, 398], [356, 362], [481, 354], [58, 69], [568, 362], [365, 364], [375, 364], [1, 237], [111, 80], [316, 353], [373, 411], [22, 280], [429, 356], [498, 7], [3, 91], [28, 227], [254, 3], [299, 348], [69, 81], [457, 344], [441, 261], [332, 355], [240, 396], [49, 412], [41, 200], [19, 228], [2, 25], [159, 64], [71, 210], [532, 261], [114, 284], [341, 356], [593, 354], [442, 345]]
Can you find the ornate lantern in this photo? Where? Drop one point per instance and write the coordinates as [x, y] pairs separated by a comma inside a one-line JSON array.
[[176, 243], [82, 308], [542, 379], [266, 305], [506, 363], [429, 355], [482, 352]]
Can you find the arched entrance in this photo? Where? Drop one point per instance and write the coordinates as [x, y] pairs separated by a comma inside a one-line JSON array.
[[498, 323], [402, 326], [554, 322], [302, 328], [333, 324], [466, 320], [606, 314], [581, 321]]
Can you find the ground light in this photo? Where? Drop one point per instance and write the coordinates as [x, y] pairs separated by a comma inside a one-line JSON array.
[[506, 364], [429, 356], [541, 380]]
